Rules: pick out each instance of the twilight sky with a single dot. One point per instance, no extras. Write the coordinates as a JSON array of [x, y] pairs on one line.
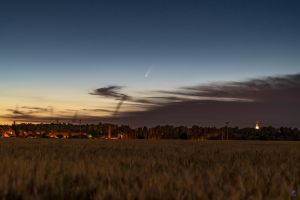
[[168, 61]]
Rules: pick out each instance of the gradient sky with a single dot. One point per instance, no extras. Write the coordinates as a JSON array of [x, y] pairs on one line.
[[53, 54]]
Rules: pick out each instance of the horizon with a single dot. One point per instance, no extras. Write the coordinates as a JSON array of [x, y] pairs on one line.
[[151, 63], [254, 127]]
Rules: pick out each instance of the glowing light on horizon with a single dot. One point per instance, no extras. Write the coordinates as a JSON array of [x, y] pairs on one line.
[[257, 126]]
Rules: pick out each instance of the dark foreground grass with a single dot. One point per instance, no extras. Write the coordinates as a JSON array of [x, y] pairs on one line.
[[134, 169]]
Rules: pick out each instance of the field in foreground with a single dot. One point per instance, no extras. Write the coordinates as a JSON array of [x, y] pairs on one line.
[[134, 169]]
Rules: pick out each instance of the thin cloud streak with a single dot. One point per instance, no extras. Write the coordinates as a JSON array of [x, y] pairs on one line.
[[269, 89], [110, 92]]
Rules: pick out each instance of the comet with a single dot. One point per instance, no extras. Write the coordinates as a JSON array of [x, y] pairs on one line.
[[148, 72]]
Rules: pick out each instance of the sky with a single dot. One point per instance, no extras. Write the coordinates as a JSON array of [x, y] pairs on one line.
[[70, 60]]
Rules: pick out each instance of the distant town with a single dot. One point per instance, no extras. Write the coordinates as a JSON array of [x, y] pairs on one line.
[[113, 131]]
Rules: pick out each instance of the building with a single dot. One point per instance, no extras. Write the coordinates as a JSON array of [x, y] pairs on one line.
[[8, 133], [65, 135]]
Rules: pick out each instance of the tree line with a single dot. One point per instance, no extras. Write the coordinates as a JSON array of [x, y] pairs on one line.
[[158, 132]]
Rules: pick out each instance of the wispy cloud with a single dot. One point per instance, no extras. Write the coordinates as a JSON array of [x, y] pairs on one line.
[[37, 110], [114, 92], [97, 110], [15, 111], [110, 92], [281, 89]]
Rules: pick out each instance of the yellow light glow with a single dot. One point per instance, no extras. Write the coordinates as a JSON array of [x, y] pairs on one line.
[[257, 126]]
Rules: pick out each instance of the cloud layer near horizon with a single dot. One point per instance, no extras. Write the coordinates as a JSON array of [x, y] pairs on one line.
[[272, 100], [268, 89]]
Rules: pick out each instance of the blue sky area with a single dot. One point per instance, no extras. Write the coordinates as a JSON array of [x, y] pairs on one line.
[[78, 46]]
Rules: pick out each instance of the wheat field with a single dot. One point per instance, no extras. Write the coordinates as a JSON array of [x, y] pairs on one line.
[[143, 169]]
